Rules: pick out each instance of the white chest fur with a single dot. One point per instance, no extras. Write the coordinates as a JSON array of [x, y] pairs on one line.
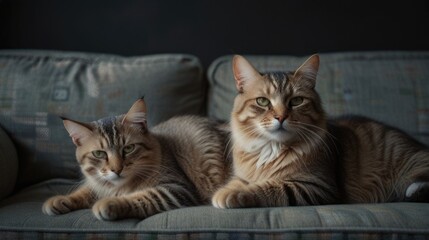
[[265, 151]]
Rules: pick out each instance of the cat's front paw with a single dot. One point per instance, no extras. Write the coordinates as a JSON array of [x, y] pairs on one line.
[[234, 198], [57, 205], [107, 209]]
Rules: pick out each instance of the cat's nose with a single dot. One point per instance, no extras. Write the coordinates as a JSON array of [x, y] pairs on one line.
[[281, 119], [117, 171]]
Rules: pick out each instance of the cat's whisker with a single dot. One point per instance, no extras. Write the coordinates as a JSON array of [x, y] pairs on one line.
[[228, 149], [250, 129], [307, 140], [332, 139], [313, 147], [328, 134], [305, 127], [327, 148]]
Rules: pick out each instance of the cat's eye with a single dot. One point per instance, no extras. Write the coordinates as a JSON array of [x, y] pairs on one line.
[[262, 101], [128, 149], [99, 154], [296, 101]]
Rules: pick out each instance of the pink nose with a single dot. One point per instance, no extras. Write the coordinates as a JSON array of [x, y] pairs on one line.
[[280, 118]]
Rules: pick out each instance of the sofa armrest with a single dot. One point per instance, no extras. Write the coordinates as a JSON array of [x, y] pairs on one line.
[[8, 165]]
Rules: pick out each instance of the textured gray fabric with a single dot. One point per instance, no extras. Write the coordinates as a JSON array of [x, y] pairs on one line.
[[8, 165], [25, 207], [391, 87], [39, 86]]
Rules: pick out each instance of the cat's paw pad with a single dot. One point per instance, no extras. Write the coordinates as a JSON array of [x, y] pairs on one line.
[[232, 198], [57, 205], [107, 209]]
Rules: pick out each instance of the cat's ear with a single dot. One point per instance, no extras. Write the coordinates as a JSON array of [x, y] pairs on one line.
[[243, 72], [137, 114], [308, 70], [77, 131]]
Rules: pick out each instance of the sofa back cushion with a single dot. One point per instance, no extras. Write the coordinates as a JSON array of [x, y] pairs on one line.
[[392, 87], [39, 86]]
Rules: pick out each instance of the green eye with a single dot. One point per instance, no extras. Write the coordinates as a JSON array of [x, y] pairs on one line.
[[296, 101], [99, 154], [263, 102], [129, 148]]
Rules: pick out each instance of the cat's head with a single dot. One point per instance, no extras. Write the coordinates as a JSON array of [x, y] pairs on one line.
[[114, 150], [276, 106]]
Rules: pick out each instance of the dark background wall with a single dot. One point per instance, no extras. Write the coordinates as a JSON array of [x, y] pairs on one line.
[[209, 29]]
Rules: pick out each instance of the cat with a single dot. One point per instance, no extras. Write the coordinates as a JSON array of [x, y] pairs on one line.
[[133, 172], [286, 152]]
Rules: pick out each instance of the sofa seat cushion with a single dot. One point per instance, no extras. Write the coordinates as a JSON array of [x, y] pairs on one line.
[[21, 217], [37, 87], [391, 87]]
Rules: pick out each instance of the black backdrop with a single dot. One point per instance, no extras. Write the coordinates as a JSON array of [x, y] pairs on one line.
[[209, 29]]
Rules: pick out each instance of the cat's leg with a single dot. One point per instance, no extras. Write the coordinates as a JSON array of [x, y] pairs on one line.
[[145, 203], [235, 194], [238, 194], [417, 192], [79, 199]]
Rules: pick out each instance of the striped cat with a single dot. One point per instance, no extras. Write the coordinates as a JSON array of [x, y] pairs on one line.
[[286, 152], [133, 172]]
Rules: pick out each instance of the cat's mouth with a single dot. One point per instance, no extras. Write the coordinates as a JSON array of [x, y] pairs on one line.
[[279, 131], [280, 134], [113, 178]]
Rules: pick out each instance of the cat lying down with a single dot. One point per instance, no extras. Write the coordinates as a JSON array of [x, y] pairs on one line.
[[131, 171], [286, 152]]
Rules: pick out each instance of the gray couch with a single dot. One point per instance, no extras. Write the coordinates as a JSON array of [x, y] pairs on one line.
[[37, 156]]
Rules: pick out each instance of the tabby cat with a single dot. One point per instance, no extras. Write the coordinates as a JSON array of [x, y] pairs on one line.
[[286, 152], [133, 172]]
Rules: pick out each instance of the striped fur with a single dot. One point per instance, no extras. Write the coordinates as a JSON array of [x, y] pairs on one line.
[[176, 164], [288, 153]]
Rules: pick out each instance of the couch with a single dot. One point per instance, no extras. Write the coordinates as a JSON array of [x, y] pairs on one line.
[[37, 157]]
